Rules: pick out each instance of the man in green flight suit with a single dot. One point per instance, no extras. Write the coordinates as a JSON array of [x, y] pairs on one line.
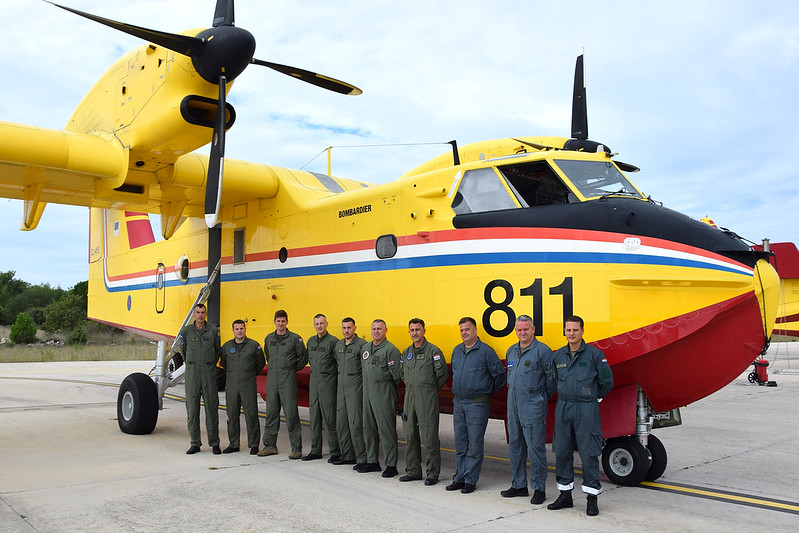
[[424, 371], [199, 344], [381, 373], [349, 413], [583, 379], [286, 355], [243, 359], [322, 390]]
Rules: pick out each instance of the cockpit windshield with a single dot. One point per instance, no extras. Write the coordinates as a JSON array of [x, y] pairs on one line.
[[597, 178]]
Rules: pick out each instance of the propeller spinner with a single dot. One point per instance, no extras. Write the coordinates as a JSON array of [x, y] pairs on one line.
[[219, 54]]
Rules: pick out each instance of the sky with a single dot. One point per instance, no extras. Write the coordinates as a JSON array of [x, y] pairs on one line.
[[700, 95]]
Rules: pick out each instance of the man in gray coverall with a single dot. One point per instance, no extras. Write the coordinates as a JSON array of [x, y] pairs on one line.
[[424, 371], [477, 373], [199, 344], [286, 355], [322, 390], [243, 359], [584, 377], [349, 413], [531, 382], [380, 369]]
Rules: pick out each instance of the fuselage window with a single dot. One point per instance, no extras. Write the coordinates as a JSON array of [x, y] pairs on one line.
[[597, 178], [536, 184], [386, 246], [182, 269], [238, 246], [481, 190]]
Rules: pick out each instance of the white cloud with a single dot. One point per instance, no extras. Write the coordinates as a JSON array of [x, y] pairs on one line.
[[699, 95]]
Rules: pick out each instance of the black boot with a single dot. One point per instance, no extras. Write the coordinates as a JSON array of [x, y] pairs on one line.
[[564, 501], [591, 508]]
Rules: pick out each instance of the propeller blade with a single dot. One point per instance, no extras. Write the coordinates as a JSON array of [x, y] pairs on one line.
[[182, 44], [579, 108], [223, 15], [216, 162], [331, 84]]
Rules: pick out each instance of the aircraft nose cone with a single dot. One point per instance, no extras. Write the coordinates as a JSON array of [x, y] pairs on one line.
[[228, 50]]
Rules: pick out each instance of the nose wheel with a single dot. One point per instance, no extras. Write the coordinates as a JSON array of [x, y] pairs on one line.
[[625, 461]]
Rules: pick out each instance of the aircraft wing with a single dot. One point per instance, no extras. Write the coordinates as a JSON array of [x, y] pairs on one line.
[[41, 166]]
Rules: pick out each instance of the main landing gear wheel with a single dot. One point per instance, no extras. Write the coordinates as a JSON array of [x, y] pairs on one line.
[[137, 404], [625, 461], [659, 458]]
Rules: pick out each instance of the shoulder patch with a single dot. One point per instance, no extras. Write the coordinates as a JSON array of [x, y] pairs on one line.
[[391, 363], [436, 357]]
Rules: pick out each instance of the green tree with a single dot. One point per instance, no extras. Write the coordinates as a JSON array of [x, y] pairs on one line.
[[23, 331], [66, 314], [9, 288], [31, 298]]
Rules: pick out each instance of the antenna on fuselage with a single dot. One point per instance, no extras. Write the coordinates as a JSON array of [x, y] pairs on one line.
[[455, 157]]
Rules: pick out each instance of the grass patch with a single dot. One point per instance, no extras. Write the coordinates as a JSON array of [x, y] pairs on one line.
[[103, 347], [48, 353]]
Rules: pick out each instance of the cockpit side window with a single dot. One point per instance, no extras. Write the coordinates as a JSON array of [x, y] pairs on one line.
[[537, 184], [481, 190]]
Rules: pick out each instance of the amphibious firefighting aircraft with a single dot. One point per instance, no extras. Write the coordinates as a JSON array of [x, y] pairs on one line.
[[546, 226]]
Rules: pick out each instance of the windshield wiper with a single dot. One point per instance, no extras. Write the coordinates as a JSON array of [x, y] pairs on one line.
[[622, 191]]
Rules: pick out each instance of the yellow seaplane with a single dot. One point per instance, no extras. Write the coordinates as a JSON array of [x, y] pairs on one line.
[[546, 226]]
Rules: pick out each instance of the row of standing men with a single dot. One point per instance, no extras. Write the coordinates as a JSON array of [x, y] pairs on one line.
[[352, 393]]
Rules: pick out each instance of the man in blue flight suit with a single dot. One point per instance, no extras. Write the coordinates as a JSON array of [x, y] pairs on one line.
[[531, 382], [584, 377], [477, 373]]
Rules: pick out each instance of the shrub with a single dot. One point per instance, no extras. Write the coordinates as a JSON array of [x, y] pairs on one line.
[[77, 336], [66, 314], [23, 331]]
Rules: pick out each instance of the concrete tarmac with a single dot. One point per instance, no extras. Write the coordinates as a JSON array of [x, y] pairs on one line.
[[65, 466]]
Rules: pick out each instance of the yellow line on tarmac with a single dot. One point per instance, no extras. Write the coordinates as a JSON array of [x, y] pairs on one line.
[[724, 496]]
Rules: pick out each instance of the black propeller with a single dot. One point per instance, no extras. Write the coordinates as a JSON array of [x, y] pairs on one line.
[[219, 54], [579, 137], [579, 140]]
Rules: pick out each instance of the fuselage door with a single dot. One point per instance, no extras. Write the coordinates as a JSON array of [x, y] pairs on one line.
[[160, 288]]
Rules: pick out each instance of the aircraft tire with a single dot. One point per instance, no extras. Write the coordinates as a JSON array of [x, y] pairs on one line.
[[137, 404], [625, 461], [175, 362], [659, 458]]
